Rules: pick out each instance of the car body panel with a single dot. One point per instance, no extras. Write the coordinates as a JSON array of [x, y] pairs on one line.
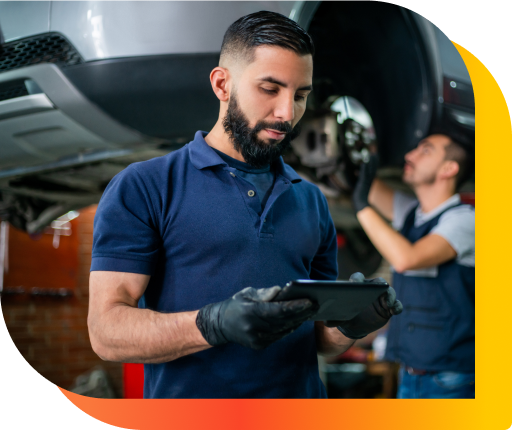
[[113, 29], [20, 19]]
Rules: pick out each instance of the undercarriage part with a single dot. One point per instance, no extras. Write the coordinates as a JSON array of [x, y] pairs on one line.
[[30, 202], [378, 56], [20, 210], [358, 133], [336, 138], [32, 214]]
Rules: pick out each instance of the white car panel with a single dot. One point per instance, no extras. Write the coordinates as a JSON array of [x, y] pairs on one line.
[[20, 19], [124, 28]]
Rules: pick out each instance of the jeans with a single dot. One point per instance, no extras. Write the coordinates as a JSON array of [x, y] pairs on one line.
[[440, 385]]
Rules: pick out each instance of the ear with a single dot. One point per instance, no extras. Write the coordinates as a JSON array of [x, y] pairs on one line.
[[219, 80], [449, 169]]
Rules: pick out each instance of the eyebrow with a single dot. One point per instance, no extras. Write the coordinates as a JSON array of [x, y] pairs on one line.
[[282, 84], [426, 143]]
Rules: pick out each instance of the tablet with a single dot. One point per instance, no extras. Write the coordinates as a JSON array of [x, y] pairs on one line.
[[338, 300]]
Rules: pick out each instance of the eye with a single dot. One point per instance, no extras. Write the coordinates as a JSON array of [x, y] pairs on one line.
[[269, 91], [299, 98]]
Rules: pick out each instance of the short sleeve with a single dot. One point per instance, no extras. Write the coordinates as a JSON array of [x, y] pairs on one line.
[[125, 237], [457, 226], [402, 205], [325, 263]]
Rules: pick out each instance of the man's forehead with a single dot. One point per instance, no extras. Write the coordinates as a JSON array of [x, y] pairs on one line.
[[281, 65], [435, 141]]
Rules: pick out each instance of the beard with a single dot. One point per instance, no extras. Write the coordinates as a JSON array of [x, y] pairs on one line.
[[414, 182], [255, 151]]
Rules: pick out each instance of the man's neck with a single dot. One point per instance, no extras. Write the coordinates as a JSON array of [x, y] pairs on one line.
[[218, 139], [433, 195]]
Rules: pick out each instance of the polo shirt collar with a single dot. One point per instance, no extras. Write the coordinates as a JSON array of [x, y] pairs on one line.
[[203, 156], [286, 171]]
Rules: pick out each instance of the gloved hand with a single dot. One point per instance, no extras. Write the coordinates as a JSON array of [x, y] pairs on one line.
[[364, 183], [249, 318], [373, 317]]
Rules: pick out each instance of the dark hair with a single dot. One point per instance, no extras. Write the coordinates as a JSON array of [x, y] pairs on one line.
[[460, 149], [265, 28]]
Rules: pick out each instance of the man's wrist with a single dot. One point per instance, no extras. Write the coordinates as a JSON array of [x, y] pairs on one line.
[[330, 341], [364, 210], [207, 321]]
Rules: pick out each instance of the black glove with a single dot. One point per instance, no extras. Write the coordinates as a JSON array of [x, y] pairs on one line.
[[249, 318], [364, 183], [373, 317]]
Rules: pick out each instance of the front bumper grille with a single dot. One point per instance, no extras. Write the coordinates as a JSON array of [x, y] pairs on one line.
[[11, 90], [42, 48]]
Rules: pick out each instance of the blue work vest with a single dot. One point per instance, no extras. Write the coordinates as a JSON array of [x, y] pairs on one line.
[[436, 331]]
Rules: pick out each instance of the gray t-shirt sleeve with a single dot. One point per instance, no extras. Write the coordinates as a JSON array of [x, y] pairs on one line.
[[457, 226], [402, 205]]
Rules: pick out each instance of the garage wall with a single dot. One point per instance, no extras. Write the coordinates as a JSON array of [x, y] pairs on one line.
[[50, 331]]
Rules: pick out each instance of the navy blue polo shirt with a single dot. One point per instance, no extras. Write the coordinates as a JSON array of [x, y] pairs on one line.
[[262, 178], [187, 220]]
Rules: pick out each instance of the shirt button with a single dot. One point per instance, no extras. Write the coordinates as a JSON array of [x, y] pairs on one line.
[[250, 193], [232, 174], [265, 220]]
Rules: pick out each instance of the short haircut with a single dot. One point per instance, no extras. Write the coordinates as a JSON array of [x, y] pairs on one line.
[[460, 149], [264, 28]]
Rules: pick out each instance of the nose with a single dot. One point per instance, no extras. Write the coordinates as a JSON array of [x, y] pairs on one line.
[[285, 108], [410, 155]]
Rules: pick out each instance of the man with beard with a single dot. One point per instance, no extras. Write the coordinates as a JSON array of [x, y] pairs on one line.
[[433, 255], [188, 246]]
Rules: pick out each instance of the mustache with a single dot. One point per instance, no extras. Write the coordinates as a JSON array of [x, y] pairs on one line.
[[282, 127]]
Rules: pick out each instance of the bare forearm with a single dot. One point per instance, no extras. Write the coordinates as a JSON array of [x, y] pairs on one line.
[[430, 250], [330, 341], [392, 245], [135, 335], [381, 198]]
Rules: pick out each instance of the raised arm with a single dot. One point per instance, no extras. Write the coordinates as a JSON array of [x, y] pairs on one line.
[[119, 331], [371, 191], [429, 251], [381, 198]]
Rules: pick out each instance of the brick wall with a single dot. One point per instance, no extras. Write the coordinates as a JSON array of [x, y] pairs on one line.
[[51, 332]]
